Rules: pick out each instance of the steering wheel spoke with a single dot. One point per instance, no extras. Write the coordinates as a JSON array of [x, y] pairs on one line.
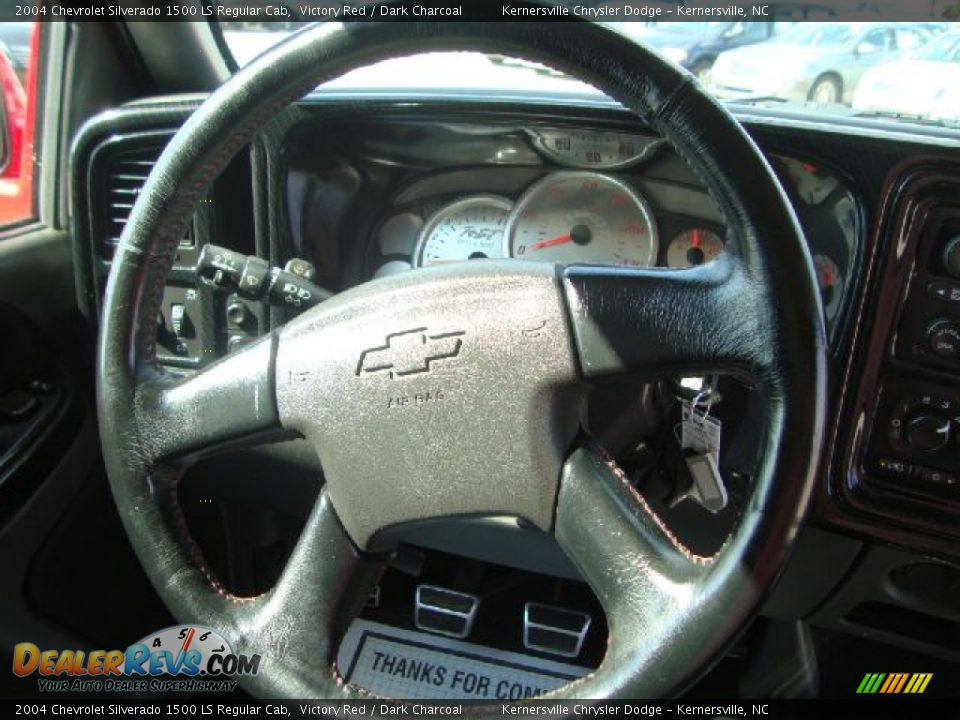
[[649, 321], [223, 403], [600, 516], [646, 580], [299, 623]]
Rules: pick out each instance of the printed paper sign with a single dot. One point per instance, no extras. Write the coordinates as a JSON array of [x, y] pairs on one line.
[[413, 665]]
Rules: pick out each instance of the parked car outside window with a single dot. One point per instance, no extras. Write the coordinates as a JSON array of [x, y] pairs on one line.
[[923, 86], [818, 62]]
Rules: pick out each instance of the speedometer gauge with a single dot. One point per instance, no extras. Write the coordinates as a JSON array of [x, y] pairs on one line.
[[467, 229], [582, 217]]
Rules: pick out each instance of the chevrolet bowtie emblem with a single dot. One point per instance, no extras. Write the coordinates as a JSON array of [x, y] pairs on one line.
[[409, 352]]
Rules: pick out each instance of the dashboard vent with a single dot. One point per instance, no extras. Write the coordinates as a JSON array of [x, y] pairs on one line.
[[126, 173]]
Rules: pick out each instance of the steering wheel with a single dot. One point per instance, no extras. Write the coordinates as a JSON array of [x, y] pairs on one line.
[[456, 391]]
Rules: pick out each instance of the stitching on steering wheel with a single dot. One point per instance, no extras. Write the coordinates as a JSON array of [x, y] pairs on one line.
[[344, 684], [179, 523], [702, 560]]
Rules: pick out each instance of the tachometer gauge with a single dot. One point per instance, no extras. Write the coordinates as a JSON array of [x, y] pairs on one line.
[[467, 229], [582, 217], [831, 285], [695, 246], [593, 149]]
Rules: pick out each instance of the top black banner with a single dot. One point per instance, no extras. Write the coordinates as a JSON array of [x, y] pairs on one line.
[[894, 708], [291, 11]]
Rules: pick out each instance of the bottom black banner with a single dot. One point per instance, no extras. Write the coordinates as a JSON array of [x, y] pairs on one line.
[[874, 707]]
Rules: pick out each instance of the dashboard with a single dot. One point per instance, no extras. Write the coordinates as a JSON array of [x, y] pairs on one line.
[[362, 188]]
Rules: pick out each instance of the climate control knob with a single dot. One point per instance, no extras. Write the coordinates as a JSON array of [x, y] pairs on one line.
[[943, 336], [928, 431]]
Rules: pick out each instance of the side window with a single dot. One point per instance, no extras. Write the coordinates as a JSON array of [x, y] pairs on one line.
[[881, 39], [908, 40], [19, 51]]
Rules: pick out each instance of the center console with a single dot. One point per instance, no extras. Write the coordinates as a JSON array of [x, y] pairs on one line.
[[902, 460], [918, 450]]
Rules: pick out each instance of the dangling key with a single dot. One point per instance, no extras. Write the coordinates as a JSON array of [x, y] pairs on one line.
[[706, 485], [700, 438]]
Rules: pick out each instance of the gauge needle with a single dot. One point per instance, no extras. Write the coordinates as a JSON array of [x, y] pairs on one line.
[[695, 239], [559, 240], [828, 276]]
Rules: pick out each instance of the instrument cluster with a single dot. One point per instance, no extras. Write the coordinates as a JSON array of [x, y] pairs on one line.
[[591, 203], [571, 215]]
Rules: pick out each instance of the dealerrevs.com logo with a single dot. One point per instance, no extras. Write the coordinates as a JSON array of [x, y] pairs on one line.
[[177, 659]]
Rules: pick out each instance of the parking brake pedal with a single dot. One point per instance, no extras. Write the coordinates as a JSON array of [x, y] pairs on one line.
[[445, 612], [554, 630]]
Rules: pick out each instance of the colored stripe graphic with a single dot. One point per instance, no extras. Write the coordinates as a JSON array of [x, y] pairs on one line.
[[918, 683], [891, 681], [894, 683], [870, 683], [901, 683]]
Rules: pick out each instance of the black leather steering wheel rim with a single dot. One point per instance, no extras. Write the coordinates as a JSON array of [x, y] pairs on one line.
[[755, 313]]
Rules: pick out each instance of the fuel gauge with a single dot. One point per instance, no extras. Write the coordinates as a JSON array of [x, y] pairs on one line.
[[830, 281], [812, 183], [694, 246]]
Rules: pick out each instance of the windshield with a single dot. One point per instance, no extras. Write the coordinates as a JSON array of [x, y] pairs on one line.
[[818, 34], [844, 69], [699, 29]]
